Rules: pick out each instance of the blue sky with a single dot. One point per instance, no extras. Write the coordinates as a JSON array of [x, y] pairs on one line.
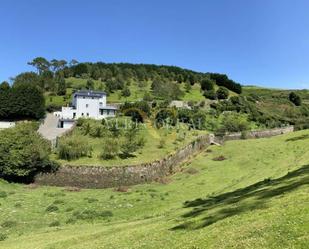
[[261, 42]]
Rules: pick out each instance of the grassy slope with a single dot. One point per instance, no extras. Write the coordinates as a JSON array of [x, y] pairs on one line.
[[226, 204], [150, 152], [137, 93]]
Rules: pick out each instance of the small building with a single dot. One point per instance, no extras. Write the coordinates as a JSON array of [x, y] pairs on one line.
[[85, 104]]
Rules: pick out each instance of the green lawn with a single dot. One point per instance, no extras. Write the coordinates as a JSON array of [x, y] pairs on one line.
[[256, 198], [150, 152]]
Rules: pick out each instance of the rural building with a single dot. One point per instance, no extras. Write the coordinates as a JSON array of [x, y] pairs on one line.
[[87, 104]]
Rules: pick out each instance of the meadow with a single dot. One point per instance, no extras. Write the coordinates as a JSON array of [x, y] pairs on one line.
[[244, 194]]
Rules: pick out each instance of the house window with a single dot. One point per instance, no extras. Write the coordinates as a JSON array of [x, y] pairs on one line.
[[82, 114], [87, 114], [74, 114], [101, 111], [87, 105], [107, 112]]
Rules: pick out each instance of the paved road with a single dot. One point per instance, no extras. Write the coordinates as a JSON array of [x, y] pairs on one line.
[[49, 130]]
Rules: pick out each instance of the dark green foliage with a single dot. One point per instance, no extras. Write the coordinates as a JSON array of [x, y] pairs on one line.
[[222, 93], [41, 64], [223, 80], [3, 194], [22, 101], [8, 224], [61, 90], [210, 94], [295, 98], [234, 122], [89, 214], [167, 116], [125, 92], [23, 153], [55, 223], [3, 236], [207, 84], [138, 111], [90, 84], [52, 208], [166, 90]]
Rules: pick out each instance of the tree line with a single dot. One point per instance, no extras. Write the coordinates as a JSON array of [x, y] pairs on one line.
[[50, 74]]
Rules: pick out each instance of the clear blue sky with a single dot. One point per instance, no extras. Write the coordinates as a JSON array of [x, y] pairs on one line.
[[261, 42]]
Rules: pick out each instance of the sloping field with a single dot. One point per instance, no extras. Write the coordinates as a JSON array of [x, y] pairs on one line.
[[245, 194]]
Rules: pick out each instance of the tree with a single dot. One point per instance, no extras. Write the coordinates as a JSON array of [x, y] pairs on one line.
[[27, 78], [28, 153], [90, 84], [207, 84], [188, 87], [222, 93], [61, 90], [132, 141], [5, 91], [210, 94], [295, 98], [40, 63], [125, 92], [27, 101], [58, 64]]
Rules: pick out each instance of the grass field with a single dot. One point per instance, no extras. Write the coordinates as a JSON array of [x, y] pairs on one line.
[[256, 198], [137, 93], [150, 152]]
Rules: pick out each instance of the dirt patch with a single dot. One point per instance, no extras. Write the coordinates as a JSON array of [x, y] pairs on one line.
[[72, 189], [122, 189], [219, 158], [192, 171]]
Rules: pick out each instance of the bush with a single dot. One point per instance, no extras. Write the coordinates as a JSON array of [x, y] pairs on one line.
[[110, 148], [222, 93], [210, 94], [295, 98], [52, 208], [28, 153], [133, 141], [3, 236], [74, 147], [207, 84], [9, 224], [3, 194], [54, 224], [234, 122]]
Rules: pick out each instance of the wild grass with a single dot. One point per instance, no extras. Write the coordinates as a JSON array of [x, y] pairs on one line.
[[256, 198]]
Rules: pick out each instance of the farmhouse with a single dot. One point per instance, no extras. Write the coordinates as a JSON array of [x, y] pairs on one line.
[[88, 104]]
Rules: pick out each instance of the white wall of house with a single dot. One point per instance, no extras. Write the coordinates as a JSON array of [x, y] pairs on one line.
[[87, 105], [6, 124]]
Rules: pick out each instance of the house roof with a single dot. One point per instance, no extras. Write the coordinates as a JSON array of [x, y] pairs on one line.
[[89, 93], [109, 107]]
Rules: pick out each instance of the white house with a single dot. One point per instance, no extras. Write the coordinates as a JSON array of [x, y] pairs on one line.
[[87, 104]]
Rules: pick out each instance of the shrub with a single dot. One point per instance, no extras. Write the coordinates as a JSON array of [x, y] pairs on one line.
[[3, 194], [28, 153], [207, 84], [234, 122], [219, 158], [54, 224], [74, 147], [133, 141], [3, 236], [52, 208], [210, 94], [222, 93], [110, 148], [8, 224], [295, 98]]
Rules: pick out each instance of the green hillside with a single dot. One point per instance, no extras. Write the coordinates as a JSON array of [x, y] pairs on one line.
[[256, 198]]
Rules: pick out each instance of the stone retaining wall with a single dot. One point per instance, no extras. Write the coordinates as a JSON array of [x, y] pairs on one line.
[[104, 177]]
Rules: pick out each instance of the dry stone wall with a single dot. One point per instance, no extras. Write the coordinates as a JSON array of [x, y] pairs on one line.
[[104, 177]]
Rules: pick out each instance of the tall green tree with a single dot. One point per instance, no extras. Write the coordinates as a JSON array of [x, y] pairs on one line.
[[40, 63]]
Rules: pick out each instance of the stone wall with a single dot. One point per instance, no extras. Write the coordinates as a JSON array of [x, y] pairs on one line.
[[104, 177]]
